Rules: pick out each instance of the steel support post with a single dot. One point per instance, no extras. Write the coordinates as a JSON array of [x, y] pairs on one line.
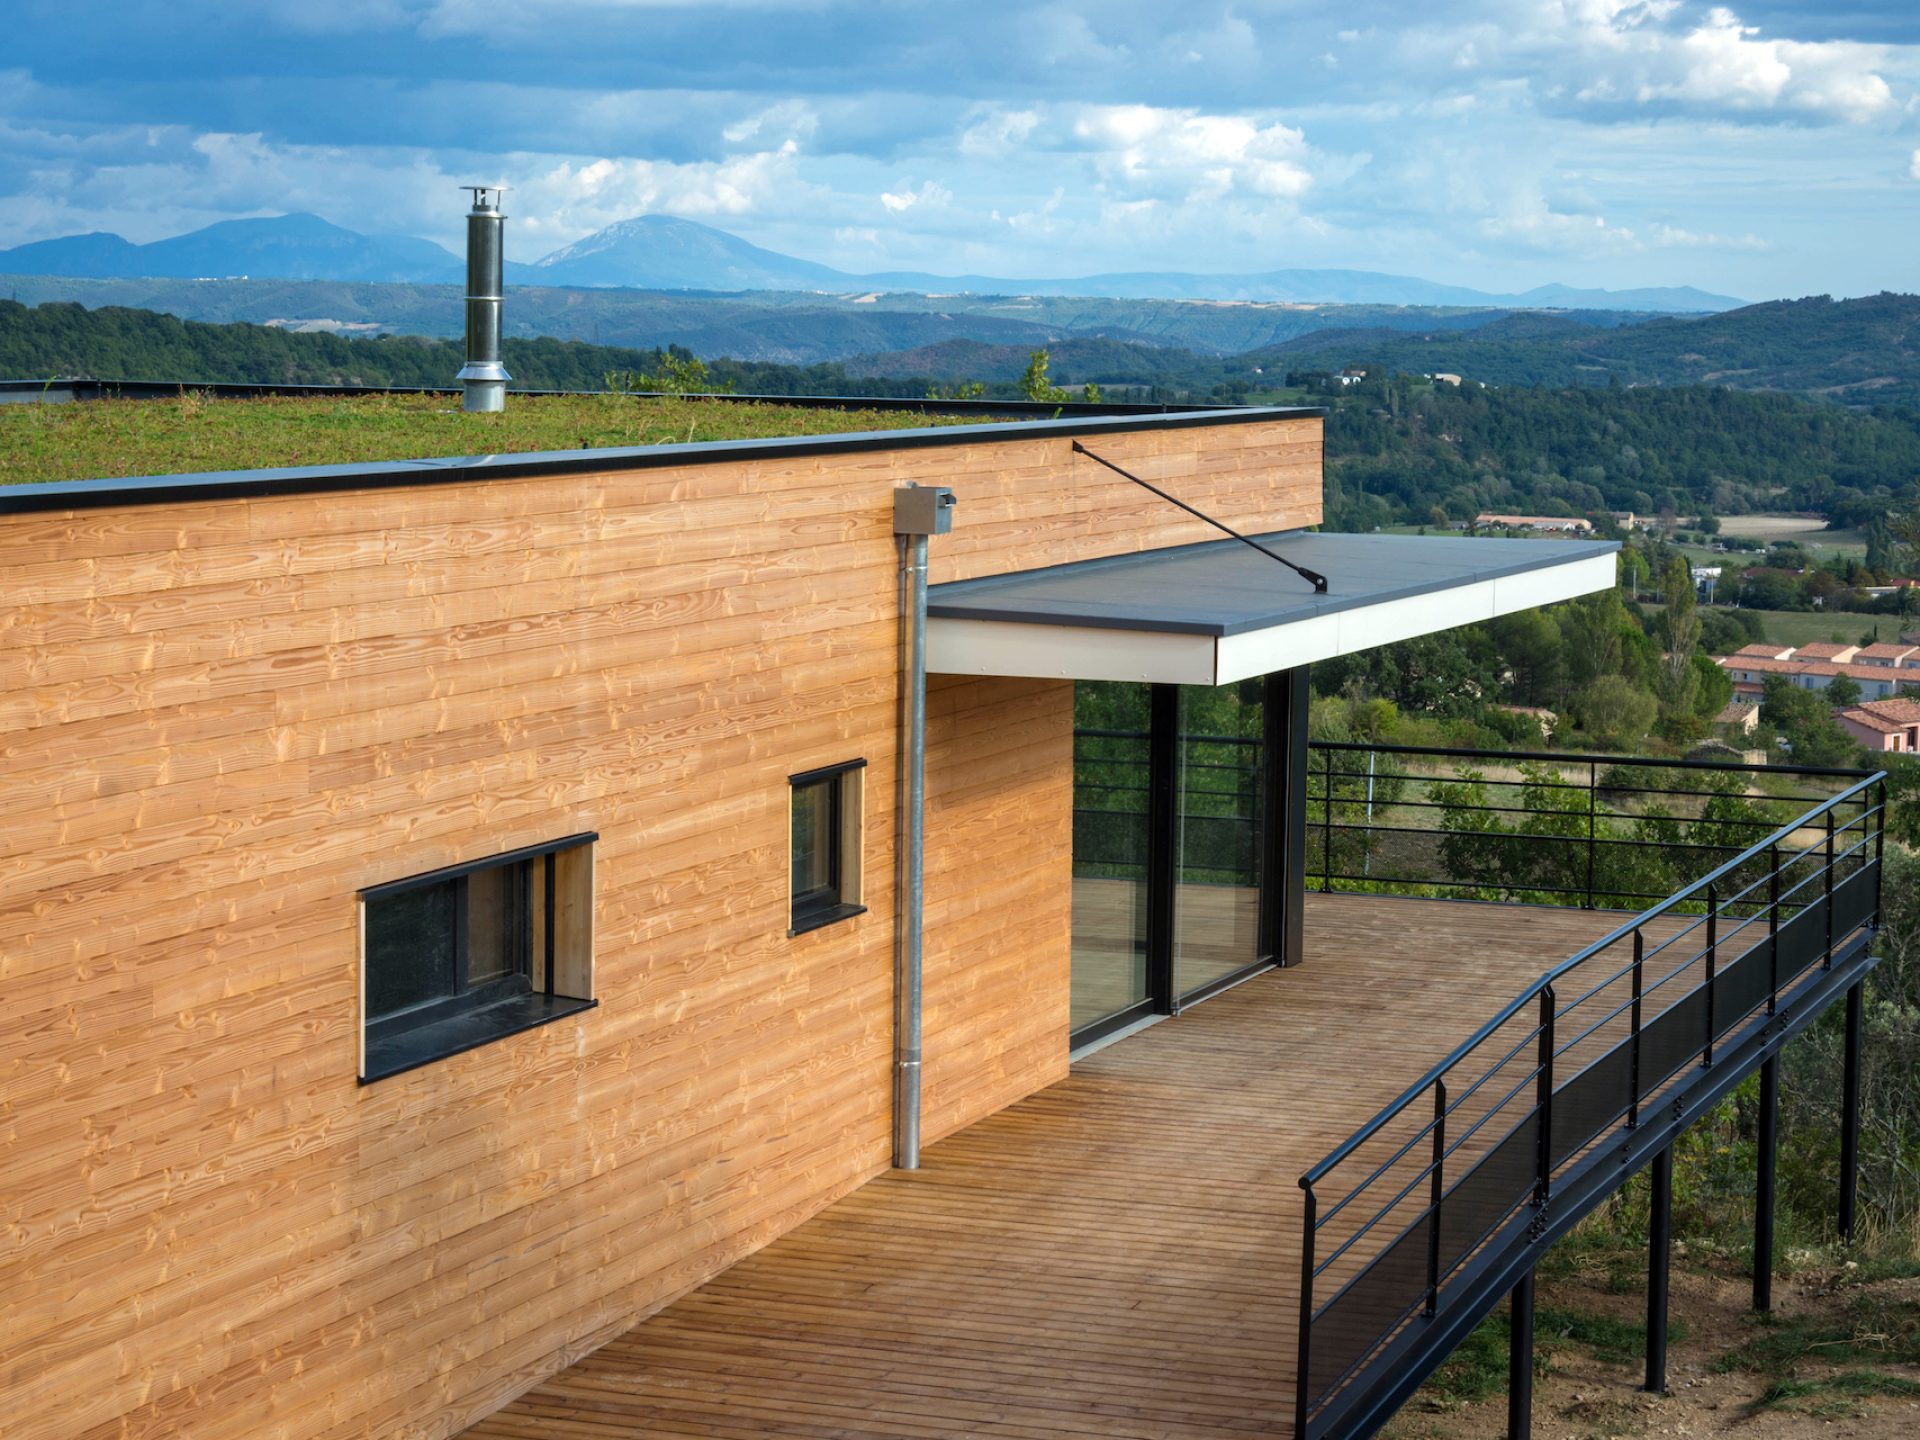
[[1520, 1362], [1850, 1122], [1659, 1257], [1764, 1184]]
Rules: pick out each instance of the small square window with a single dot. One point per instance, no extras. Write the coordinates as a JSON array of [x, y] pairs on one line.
[[825, 827], [457, 957]]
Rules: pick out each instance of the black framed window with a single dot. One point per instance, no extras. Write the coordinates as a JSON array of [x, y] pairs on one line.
[[824, 827], [457, 957]]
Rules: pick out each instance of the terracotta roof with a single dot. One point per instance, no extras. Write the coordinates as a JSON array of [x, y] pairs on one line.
[[1826, 650], [1761, 652], [1884, 715], [1760, 664], [1885, 651]]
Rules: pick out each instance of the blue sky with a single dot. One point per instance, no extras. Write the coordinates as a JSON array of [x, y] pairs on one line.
[[1764, 149]]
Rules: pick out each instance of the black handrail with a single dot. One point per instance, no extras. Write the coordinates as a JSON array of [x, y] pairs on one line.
[[1712, 992], [1619, 932]]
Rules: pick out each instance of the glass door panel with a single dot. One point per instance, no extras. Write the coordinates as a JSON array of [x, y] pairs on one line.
[[1221, 819], [1111, 789]]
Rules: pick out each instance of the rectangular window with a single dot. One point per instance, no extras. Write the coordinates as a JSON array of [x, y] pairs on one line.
[[461, 956], [825, 827]]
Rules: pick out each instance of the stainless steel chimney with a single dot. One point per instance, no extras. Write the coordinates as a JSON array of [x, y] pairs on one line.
[[484, 377]]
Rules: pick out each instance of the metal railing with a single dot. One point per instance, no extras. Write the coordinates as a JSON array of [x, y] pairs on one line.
[[1469, 1156], [1598, 831]]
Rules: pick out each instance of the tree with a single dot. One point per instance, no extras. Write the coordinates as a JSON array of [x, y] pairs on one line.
[[1614, 711], [1805, 721], [959, 390], [1843, 689], [1683, 637], [1036, 385]]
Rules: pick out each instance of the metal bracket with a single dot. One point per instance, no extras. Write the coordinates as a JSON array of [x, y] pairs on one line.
[[923, 510]]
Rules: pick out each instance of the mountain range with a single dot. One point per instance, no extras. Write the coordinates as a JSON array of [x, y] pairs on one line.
[[661, 252]]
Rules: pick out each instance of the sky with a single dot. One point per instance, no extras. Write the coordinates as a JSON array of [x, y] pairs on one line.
[[1765, 149]]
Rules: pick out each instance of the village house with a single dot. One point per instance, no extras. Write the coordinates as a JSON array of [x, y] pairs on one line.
[[1883, 726]]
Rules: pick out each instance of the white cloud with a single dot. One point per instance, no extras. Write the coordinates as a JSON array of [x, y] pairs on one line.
[[1673, 238], [1527, 221], [790, 120], [930, 194], [1184, 153], [1913, 166], [997, 132]]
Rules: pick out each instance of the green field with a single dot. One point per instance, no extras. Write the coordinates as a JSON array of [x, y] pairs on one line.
[[1809, 627], [109, 438], [1806, 530]]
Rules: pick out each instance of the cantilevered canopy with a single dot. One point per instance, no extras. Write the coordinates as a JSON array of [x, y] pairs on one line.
[[1218, 612]]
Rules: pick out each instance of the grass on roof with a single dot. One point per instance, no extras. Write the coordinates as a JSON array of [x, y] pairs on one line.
[[98, 439]]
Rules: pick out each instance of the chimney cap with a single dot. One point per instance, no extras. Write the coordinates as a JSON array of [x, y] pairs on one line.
[[486, 197]]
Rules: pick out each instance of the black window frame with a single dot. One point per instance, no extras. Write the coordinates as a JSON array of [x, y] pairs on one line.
[[839, 898], [469, 1015]]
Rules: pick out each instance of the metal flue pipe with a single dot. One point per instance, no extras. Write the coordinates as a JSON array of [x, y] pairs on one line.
[[483, 376]]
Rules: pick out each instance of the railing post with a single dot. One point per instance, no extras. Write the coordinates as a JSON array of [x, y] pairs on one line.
[[1713, 957], [1543, 1100], [1633, 1062], [1773, 930], [1302, 1406], [1827, 962], [1437, 1191], [1593, 787]]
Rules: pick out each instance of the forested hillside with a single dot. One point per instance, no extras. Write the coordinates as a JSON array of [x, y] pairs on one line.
[[1407, 452], [65, 339], [1862, 352]]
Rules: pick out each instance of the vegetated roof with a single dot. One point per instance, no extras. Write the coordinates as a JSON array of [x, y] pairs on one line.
[[99, 439]]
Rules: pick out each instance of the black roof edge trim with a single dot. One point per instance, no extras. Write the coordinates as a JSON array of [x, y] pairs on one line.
[[322, 479]]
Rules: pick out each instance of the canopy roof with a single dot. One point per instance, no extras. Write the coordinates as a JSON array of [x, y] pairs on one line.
[[1222, 611]]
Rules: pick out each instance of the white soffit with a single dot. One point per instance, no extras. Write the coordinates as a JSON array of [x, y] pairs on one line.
[[1212, 614]]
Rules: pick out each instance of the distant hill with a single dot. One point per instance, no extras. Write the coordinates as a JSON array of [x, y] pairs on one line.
[[1859, 352], [293, 247], [785, 326], [662, 252], [656, 252]]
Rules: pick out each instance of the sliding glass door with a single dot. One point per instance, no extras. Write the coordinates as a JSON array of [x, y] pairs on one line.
[[1220, 777], [1179, 873], [1110, 845]]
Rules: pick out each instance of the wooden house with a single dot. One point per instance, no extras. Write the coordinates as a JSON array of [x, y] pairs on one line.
[[454, 909]]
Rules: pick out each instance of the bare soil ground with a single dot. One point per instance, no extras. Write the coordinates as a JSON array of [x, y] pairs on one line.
[[1835, 1360]]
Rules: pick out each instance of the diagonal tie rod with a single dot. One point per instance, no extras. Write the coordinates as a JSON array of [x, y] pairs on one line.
[[1314, 577]]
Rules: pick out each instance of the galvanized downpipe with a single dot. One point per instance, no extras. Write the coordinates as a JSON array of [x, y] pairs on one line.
[[917, 513]]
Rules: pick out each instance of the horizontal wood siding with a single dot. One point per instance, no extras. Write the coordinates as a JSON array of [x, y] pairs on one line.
[[219, 720], [999, 885]]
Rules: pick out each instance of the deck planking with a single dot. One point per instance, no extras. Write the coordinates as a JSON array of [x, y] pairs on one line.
[[1115, 1256]]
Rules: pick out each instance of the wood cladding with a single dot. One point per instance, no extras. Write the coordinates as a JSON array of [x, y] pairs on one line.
[[220, 720]]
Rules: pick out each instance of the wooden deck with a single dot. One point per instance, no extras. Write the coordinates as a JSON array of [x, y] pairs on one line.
[[1115, 1257]]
